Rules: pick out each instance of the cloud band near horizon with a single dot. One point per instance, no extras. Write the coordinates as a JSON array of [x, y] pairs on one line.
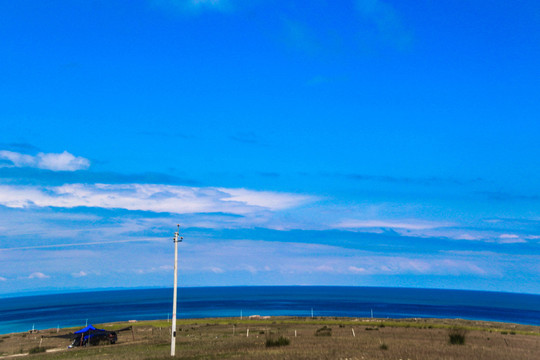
[[150, 197], [48, 161]]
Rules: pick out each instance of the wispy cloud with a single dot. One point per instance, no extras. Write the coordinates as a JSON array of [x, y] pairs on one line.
[[247, 138], [150, 197], [197, 6], [504, 196], [385, 18], [407, 225], [265, 199], [19, 147], [511, 239], [297, 258], [47, 161], [216, 270], [424, 181], [404, 265], [79, 244], [299, 36], [3, 278], [39, 176], [80, 274], [38, 275]]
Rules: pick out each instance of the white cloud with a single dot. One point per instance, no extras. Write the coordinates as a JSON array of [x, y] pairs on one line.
[[47, 161], [62, 162], [38, 275], [149, 197], [3, 278], [356, 270], [80, 274]]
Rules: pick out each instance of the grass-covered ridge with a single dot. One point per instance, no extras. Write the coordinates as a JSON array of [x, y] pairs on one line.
[[470, 325], [236, 338]]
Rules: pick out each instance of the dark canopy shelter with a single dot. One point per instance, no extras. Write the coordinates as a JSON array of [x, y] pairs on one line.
[[92, 336]]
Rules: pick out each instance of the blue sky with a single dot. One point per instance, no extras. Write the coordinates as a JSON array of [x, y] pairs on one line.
[[364, 142]]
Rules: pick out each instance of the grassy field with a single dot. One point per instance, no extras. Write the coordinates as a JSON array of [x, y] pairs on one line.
[[294, 338]]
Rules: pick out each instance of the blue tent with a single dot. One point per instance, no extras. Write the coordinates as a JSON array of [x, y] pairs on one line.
[[92, 336], [86, 329]]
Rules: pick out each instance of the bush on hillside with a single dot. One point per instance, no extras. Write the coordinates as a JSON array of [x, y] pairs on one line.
[[457, 335], [324, 331], [281, 341]]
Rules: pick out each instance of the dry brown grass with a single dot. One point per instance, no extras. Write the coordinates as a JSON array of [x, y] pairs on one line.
[[214, 339]]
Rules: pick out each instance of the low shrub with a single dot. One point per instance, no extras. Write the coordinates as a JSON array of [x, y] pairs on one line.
[[324, 331], [383, 346], [280, 341], [37, 350], [457, 336]]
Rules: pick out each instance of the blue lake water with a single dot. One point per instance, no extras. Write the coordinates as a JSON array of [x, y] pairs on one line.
[[19, 314]]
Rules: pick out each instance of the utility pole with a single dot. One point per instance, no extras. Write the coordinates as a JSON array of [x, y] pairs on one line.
[[177, 239]]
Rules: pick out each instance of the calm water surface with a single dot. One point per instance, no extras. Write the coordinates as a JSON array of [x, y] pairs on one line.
[[75, 309]]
